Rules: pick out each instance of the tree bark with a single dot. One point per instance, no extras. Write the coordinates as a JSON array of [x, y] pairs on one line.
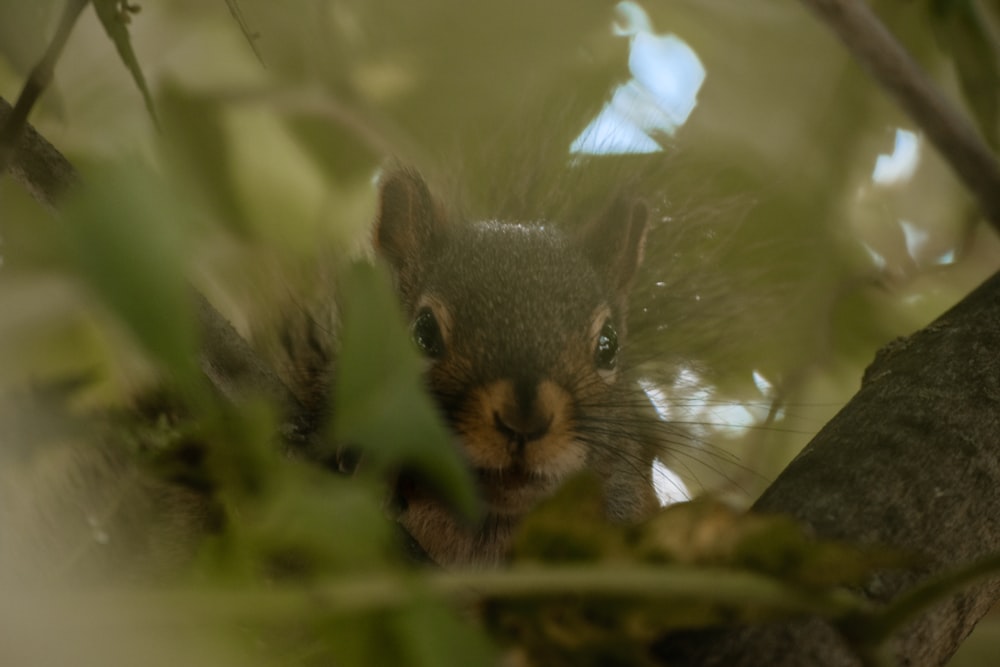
[[912, 461]]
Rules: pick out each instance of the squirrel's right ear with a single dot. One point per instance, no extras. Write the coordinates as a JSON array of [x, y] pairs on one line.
[[409, 220], [616, 242]]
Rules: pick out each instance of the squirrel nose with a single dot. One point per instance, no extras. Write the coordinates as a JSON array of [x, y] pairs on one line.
[[522, 426]]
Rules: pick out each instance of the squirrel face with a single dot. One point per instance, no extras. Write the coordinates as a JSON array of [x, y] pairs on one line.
[[513, 346], [521, 327]]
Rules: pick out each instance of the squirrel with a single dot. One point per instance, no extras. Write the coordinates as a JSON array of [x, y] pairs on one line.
[[523, 329]]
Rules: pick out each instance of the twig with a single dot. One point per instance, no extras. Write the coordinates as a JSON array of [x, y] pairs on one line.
[[241, 21], [955, 137], [358, 594], [38, 81], [37, 165]]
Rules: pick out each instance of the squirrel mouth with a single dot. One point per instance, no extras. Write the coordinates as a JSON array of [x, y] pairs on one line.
[[513, 489], [510, 490], [512, 476]]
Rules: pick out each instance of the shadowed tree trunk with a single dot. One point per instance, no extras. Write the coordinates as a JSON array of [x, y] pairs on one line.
[[912, 461]]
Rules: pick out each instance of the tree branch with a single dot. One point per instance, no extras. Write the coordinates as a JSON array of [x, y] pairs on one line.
[[36, 165], [911, 461], [888, 62]]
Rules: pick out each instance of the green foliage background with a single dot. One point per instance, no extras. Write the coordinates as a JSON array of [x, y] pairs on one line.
[[261, 173]]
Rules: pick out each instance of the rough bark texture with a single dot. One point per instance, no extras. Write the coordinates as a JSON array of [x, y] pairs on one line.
[[37, 165], [912, 461]]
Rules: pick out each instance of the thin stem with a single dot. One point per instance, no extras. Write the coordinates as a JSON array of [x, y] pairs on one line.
[[38, 81], [950, 131], [361, 594], [715, 585]]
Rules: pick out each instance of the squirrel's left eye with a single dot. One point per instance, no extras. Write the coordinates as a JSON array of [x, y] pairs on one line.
[[606, 354], [427, 334]]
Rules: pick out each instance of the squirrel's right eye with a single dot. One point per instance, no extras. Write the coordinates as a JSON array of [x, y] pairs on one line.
[[606, 354], [427, 334]]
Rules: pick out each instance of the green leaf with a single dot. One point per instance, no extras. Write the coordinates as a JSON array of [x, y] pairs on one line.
[[124, 237], [322, 524], [361, 640], [708, 532], [286, 521], [195, 139], [569, 527], [340, 152], [379, 403], [780, 547], [114, 16], [433, 636]]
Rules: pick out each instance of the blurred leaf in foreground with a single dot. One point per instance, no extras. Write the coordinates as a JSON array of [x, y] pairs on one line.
[[196, 141], [570, 527], [433, 636], [707, 532], [703, 564], [379, 404], [125, 236]]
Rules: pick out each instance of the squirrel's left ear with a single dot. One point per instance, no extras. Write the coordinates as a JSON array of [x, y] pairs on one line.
[[615, 242], [409, 224]]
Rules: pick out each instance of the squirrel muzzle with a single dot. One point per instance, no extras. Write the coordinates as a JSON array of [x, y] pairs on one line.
[[520, 442]]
